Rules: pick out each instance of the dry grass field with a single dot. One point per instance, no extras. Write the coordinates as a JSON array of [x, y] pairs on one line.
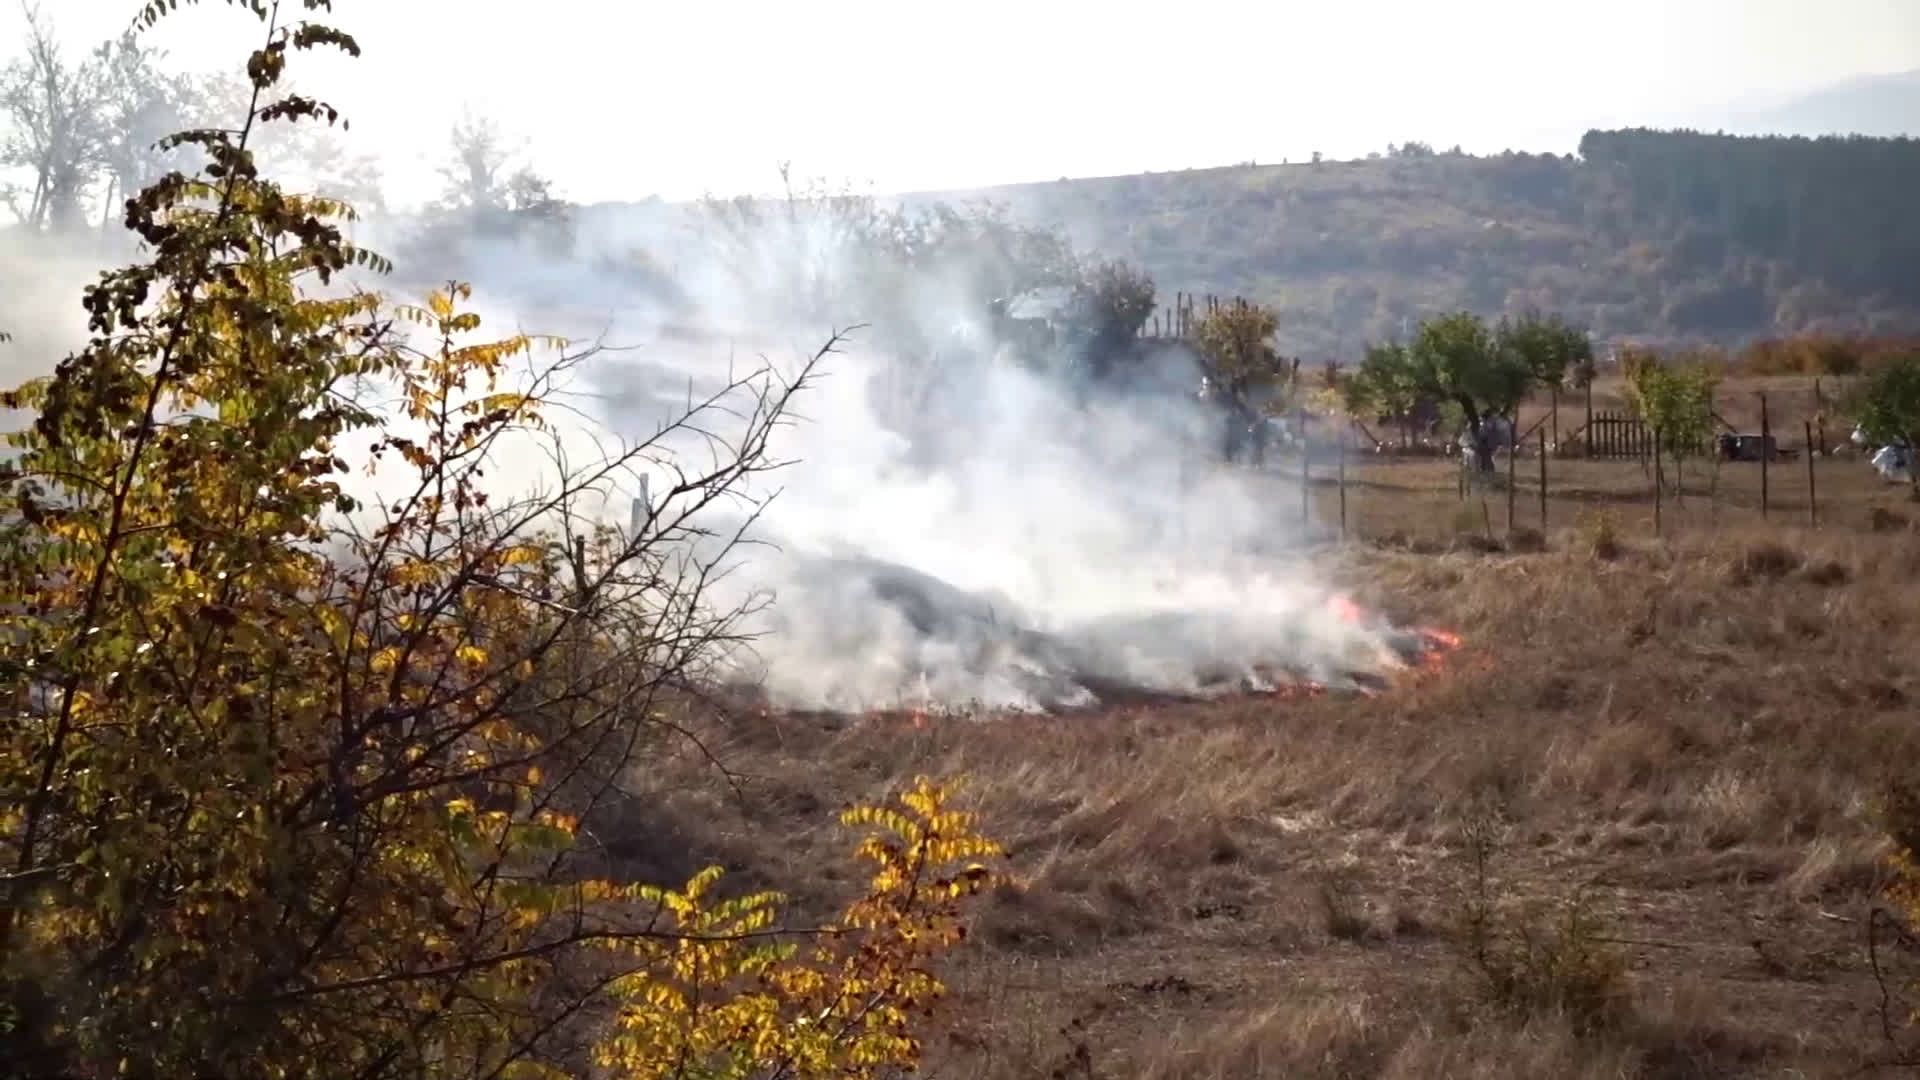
[[1647, 774]]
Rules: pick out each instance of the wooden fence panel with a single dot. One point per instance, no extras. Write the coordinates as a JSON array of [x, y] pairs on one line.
[[1623, 435]]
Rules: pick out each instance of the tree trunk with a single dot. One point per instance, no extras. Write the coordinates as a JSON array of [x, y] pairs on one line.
[[1477, 435]]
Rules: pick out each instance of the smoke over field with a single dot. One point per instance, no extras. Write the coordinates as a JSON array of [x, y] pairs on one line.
[[962, 519], [964, 516]]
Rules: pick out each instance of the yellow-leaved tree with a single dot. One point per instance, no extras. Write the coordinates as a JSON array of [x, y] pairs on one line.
[[292, 787], [1245, 373]]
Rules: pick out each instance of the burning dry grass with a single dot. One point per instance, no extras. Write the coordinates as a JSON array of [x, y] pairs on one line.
[[1684, 735]]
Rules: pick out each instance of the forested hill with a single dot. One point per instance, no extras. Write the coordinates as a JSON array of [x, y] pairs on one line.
[[1645, 235]]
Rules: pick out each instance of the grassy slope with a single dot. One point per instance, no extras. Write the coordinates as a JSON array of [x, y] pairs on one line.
[[1685, 734]]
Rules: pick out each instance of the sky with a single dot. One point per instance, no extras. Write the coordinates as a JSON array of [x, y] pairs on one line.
[[621, 100]]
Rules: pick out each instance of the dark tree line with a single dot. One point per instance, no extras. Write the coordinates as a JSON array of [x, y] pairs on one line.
[[1839, 209]]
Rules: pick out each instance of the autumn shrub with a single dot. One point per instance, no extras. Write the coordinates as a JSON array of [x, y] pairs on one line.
[[293, 786]]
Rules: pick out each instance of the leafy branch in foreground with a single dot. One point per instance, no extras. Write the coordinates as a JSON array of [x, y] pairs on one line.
[[294, 786]]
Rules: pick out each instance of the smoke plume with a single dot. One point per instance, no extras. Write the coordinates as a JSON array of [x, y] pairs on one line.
[[966, 519]]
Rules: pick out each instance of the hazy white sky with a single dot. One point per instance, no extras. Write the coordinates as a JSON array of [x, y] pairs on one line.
[[618, 100]]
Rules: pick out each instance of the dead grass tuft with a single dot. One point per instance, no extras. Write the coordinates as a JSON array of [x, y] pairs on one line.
[[1765, 560], [1343, 907], [1302, 1038], [1526, 540], [1882, 520], [1827, 573]]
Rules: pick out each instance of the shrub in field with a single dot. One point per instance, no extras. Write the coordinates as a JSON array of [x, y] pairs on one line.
[[294, 787], [1536, 958]]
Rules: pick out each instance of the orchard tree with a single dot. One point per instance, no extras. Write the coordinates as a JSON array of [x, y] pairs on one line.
[[295, 786], [53, 103], [1486, 372], [1111, 302], [1244, 372], [1549, 347], [139, 105], [484, 175], [1456, 359], [1384, 387], [1886, 403], [489, 200]]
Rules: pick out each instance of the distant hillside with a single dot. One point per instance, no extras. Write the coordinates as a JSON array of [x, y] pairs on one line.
[[1664, 236]]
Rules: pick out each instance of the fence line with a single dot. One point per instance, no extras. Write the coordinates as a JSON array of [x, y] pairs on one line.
[[1667, 493]]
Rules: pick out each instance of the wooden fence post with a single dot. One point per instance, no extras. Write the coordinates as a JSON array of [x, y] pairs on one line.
[[1820, 416], [1306, 465], [1343, 487], [1589, 417], [1766, 451], [1513, 459], [1813, 507], [1553, 417], [1658, 494], [1543, 483]]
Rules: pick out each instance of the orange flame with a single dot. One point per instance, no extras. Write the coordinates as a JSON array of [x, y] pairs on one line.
[[1439, 644], [1343, 606]]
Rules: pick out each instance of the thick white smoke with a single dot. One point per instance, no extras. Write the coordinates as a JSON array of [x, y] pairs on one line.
[[962, 522], [1011, 537]]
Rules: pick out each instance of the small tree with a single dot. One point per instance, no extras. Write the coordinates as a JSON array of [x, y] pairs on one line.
[[1886, 404], [1676, 401], [1244, 372]]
